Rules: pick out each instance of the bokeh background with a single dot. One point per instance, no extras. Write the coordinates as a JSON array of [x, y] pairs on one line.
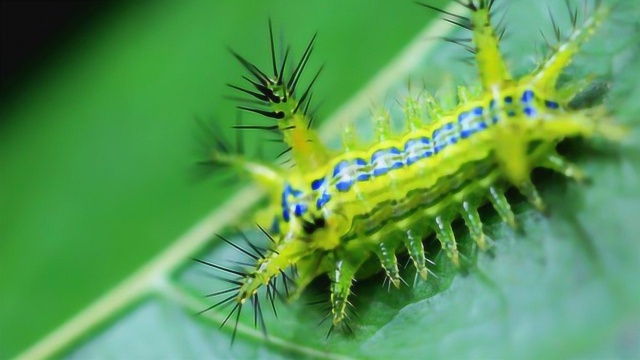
[[97, 153]]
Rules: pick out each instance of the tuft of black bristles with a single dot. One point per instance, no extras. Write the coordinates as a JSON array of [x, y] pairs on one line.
[[215, 150], [215, 147], [465, 22], [276, 88], [212, 143], [212, 139], [459, 20], [325, 305], [572, 12], [466, 43], [455, 19], [236, 278]]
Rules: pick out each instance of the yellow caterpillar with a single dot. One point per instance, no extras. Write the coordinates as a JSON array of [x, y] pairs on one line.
[[347, 214]]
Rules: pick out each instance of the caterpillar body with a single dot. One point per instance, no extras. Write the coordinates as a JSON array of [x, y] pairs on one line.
[[348, 214]]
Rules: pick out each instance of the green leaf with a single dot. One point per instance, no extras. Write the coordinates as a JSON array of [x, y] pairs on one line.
[[106, 190]]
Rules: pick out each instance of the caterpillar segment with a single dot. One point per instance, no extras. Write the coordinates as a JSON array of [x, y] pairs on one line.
[[338, 213], [278, 101]]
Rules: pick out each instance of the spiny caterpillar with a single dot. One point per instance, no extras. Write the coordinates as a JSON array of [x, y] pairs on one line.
[[347, 214]]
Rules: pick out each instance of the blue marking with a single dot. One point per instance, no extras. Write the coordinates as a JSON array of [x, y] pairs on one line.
[[380, 171], [361, 165], [508, 99], [551, 104], [385, 160], [289, 191], [492, 103], [466, 133], [321, 185], [347, 172], [285, 195], [495, 119], [316, 184], [527, 96], [323, 200], [511, 113], [299, 209], [362, 175], [471, 123], [344, 186], [339, 167], [529, 111], [444, 136], [416, 149]]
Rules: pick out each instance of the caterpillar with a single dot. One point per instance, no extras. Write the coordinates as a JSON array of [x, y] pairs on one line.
[[348, 214]]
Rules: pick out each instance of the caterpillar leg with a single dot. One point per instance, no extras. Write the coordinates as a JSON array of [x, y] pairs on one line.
[[559, 164], [342, 278], [471, 218], [413, 243], [529, 190], [444, 233], [387, 256], [500, 203]]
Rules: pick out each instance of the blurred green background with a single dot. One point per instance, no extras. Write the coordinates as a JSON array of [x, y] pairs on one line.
[[96, 177]]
